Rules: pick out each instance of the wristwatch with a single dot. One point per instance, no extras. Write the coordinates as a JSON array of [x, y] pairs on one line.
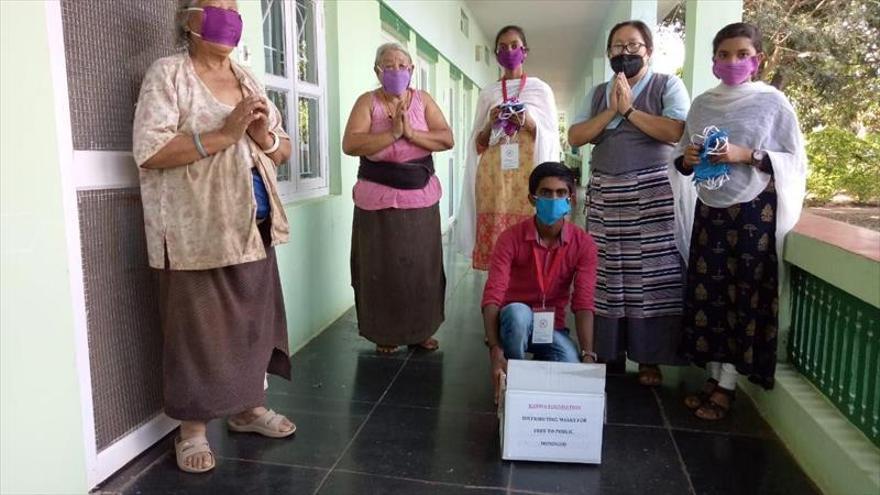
[[627, 113], [758, 157], [585, 353]]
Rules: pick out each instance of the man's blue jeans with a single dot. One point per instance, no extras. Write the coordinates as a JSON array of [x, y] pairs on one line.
[[516, 337]]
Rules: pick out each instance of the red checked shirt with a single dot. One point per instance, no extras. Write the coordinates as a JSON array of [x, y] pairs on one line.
[[513, 272]]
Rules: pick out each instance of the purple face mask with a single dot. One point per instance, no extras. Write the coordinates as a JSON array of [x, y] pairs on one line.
[[220, 26], [395, 81], [511, 59], [735, 73]]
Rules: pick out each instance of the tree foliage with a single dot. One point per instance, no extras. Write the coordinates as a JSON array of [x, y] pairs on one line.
[[825, 55], [841, 162]]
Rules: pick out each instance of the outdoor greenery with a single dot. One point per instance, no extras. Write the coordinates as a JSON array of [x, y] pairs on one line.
[[825, 56], [841, 161]]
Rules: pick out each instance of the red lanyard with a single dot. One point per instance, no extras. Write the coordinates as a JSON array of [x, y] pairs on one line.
[[551, 275], [522, 84]]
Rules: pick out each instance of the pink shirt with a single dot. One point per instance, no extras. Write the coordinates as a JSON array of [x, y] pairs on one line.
[[372, 196], [513, 274]]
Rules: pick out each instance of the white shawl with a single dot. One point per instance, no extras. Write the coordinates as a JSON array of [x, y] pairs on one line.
[[756, 116], [541, 105]]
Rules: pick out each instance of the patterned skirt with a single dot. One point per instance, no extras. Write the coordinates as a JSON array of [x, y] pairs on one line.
[[640, 274], [502, 196], [731, 301], [631, 218]]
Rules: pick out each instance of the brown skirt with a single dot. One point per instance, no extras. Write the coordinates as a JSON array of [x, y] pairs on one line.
[[397, 274], [224, 329]]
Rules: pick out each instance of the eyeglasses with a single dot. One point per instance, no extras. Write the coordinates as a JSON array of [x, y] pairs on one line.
[[632, 48]]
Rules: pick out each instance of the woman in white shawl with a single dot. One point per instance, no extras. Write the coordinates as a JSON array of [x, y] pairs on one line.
[[515, 129], [735, 269]]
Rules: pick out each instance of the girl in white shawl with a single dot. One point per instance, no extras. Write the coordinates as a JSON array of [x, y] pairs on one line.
[[506, 143], [735, 269]]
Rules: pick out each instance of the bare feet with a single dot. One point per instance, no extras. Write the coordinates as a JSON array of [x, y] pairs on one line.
[[430, 344]]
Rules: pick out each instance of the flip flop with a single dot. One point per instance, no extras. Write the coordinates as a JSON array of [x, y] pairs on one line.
[[267, 425], [185, 449]]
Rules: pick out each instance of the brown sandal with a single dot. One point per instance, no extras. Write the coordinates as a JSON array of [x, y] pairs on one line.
[[650, 375], [712, 410], [694, 401]]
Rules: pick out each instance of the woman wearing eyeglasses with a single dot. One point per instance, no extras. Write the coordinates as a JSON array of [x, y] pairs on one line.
[[638, 223], [396, 247]]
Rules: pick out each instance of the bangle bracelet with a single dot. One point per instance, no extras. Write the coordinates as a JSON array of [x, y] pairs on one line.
[[276, 143], [199, 147], [628, 112]]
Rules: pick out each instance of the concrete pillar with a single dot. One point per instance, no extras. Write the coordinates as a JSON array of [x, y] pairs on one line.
[[704, 18]]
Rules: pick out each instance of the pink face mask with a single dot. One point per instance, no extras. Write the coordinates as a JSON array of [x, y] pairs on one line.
[[219, 26], [735, 73]]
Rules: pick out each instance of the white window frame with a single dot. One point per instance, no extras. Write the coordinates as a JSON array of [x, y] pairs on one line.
[[424, 71], [297, 188]]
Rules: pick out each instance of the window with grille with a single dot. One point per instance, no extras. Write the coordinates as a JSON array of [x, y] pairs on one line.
[[293, 34]]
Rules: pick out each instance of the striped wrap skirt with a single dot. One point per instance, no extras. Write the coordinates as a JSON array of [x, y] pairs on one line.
[[639, 282]]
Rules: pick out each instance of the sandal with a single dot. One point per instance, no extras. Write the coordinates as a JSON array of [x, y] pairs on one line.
[[186, 449], [431, 344], [694, 401], [712, 409], [268, 425], [650, 375], [386, 349]]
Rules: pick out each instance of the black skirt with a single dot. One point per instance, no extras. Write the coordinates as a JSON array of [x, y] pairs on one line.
[[731, 300]]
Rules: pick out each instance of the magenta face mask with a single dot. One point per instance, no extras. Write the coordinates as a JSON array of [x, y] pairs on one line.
[[220, 26], [511, 59], [395, 81], [735, 73]]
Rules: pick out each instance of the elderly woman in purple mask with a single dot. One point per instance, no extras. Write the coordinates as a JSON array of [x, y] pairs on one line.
[[207, 142], [396, 249]]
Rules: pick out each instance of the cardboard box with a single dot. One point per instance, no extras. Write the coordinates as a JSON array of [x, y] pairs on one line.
[[552, 412]]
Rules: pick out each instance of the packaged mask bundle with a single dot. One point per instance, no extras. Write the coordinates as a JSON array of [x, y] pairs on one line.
[[509, 121], [708, 175]]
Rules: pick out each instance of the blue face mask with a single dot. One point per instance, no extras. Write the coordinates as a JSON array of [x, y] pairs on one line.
[[551, 210]]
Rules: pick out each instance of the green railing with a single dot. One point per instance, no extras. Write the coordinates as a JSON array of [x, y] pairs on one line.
[[835, 343]]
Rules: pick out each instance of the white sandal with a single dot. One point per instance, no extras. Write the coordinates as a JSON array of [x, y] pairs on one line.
[[185, 449], [268, 425]]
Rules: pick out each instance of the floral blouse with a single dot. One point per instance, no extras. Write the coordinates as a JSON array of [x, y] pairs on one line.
[[201, 215]]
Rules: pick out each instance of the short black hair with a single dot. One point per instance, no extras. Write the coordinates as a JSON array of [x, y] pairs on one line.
[[739, 30], [505, 29], [641, 26], [550, 169]]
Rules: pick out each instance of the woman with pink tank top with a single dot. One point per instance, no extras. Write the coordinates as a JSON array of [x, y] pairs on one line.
[[396, 248]]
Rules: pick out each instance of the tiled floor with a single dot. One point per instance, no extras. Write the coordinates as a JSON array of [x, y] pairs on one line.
[[424, 423]]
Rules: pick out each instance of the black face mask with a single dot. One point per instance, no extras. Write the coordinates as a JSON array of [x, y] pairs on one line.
[[627, 63]]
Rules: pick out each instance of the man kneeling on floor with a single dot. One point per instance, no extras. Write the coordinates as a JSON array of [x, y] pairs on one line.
[[534, 265]]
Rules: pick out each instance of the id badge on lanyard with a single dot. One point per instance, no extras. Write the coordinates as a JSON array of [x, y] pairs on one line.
[[544, 318], [510, 151]]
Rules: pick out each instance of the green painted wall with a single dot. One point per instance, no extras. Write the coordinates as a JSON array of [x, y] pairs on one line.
[[702, 20], [40, 419]]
